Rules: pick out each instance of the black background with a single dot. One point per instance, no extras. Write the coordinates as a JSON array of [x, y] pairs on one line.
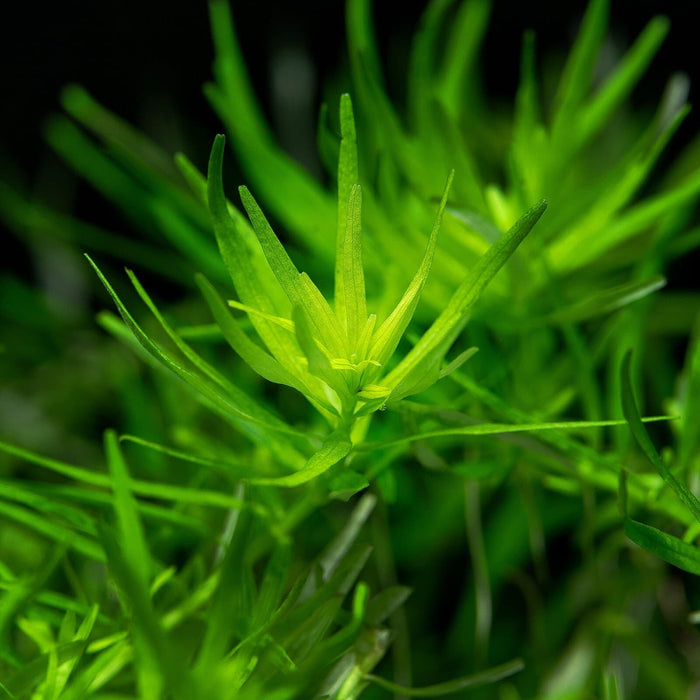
[[135, 56]]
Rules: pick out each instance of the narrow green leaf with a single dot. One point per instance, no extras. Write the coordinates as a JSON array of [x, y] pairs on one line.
[[273, 584], [671, 549], [149, 489], [496, 429], [229, 616], [130, 526], [456, 72], [629, 407], [492, 675], [156, 662], [606, 301], [52, 530], [280, 262], [619, 85], [252, 419], [421, 68], [353, 280], [291, 193], [299, 288], [690, 430], [455, 364], [252, 277], [348, 176], [387, 337], [259, 360], [31, 674], [337, 446], [385, 604], [442, 333], [578, 71]]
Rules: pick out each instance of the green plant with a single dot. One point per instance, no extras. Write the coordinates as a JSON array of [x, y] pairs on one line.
[[229, 563]]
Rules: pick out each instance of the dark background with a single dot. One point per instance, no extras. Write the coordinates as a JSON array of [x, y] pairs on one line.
[[139, 58], [147, 62]]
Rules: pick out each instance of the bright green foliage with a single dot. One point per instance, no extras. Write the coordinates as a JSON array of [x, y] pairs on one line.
[[422, 464]]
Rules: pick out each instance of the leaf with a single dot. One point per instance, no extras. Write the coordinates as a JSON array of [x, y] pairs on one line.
[[626, 75], [385, 603], [432, 346], [293, 195], [387, 337], [608, 300], [52, 530], [353, 280], [298, 287], [492, 675], [578, 71], [150, 489], [156, 663], [232, 602], [253, 355], [318, 362], [671, 549], [690, 429], [250, 418], [348, 176], [495, 429], [20, 683], [130, 527], [629, 407], [336, 446], [466, 36], [253, 279]]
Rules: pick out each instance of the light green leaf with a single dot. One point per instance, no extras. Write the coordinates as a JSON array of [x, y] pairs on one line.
[[253, 279], [150, 489], [348, 176], [319, 364], [626, 75], [353, 280], [234, 595], [578, 71], [337, 446], [671, 549], [456, 72], [436, 341], [496, 429], [259, 360], [387, 337], [299, 288], [246, 414], [130, 527], [608, 300]]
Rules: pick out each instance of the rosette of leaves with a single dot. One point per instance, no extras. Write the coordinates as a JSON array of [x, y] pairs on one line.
[[340, 358]]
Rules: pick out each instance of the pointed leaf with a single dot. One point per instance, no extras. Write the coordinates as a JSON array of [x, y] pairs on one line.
[[348, 176], [629, 407], [337, 446], [491, 675], [389, 334], [130, 527], [671, 549], [438, 338], [299, 288], [353, 280]]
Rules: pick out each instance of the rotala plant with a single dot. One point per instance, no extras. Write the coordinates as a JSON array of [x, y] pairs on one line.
[[398, 449]]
